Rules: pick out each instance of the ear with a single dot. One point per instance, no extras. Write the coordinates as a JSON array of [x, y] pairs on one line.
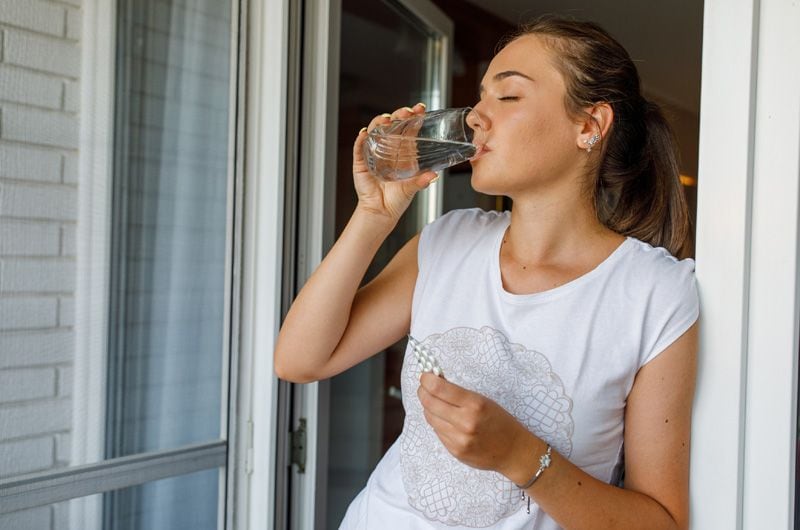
[[597, 121]]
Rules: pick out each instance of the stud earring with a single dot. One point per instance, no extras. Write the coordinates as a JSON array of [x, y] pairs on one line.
[[591, 141]]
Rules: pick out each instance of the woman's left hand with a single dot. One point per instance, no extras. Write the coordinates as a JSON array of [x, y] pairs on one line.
[[473, 428]]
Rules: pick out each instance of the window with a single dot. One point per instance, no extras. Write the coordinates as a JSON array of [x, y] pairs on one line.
[[117, 287]]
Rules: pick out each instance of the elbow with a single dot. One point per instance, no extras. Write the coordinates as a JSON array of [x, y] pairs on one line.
[[286, 372], [293, 377]]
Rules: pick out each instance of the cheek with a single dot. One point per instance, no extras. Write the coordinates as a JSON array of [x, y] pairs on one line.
[[532, 143], [529, 145], [530, 132]]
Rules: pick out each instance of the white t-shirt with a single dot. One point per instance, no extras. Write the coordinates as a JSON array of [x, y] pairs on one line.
[[561, 361]]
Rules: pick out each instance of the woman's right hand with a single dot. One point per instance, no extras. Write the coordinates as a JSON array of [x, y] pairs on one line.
[[386, 199]]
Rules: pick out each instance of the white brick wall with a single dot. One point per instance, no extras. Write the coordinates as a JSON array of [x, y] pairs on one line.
[[35, 417], [27, 383], [26, 456], [39, 135], [19, 312], [41, 17], [36, 347], [42, 53], [25, 163], [35, 201]]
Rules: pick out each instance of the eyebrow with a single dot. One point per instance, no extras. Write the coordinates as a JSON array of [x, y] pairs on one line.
[[505, 74]]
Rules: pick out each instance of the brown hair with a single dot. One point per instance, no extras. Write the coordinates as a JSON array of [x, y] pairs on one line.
[[636, 188]]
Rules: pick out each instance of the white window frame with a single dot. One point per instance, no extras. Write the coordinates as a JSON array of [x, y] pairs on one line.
[[262, 261], [744, 426], [772, 363], [93, 246]]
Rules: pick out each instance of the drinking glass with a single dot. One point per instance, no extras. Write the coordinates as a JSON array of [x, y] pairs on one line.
[[423, 142]]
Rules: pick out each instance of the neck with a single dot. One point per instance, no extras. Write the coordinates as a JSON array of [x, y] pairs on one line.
[[552, 229]]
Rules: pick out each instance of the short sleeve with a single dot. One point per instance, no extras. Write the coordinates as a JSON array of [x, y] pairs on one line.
[[433, 240], [674, 305], [430, 241], [445, 241], [455, 229]]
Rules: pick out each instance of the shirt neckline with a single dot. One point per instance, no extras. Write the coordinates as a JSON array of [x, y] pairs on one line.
[[549, 294]]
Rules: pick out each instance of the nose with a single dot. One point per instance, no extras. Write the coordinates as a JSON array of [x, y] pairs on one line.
[[478, 123]]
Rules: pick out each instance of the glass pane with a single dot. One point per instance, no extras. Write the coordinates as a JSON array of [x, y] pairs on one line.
[[170, 215], [187, 502], [175, 503], [357, 400], [364, 419]]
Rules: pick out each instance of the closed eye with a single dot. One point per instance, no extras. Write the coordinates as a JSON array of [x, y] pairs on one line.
[[508, 98]]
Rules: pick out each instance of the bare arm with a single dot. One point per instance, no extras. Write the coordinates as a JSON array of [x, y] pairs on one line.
[[657, 432], [482, 434], [333, 325]]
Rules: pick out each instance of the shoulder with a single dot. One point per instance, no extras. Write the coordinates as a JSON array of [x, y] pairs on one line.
[[467, 223], [655, 267], [470, 218], [459, 231], [664, 290]]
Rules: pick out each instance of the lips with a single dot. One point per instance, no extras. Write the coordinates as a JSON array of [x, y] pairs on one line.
[[482, 150]]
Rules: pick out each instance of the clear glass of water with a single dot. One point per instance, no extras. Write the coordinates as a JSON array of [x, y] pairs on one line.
[[424, 142]]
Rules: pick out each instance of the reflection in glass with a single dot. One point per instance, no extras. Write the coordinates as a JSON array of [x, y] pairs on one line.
[[364, 421], [168, 242], [168, 317]]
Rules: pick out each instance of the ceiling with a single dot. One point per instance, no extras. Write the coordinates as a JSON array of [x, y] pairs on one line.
[[663, 38]]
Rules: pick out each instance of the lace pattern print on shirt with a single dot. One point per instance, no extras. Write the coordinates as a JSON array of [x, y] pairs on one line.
[[519, 380]]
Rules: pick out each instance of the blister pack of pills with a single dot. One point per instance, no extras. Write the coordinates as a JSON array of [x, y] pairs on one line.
[[425, 359]]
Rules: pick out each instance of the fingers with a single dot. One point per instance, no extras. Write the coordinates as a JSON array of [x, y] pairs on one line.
[[383, 119], [399, 114], [434, 402], [420, 182], [442, 428], [412, 186], [357, 146], [445, 390], [447, 416], [406, 112]]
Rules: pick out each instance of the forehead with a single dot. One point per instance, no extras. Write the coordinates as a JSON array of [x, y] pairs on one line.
[[526, 54]]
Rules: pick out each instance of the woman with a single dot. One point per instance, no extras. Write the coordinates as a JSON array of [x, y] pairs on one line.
[[565, 330]]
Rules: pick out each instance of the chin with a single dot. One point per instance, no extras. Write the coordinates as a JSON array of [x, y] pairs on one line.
[[486, 183]]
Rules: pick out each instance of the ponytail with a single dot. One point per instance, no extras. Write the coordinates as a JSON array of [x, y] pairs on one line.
[[638, 191]]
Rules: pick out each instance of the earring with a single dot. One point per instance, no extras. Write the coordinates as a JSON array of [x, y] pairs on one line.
[[591, 141]]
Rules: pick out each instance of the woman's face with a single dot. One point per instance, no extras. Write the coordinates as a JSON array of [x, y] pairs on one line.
[[531, 143]]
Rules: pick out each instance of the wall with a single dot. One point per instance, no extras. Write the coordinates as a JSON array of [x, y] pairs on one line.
[[39, 94]]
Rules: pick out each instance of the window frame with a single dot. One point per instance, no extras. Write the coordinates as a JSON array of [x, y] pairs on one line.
[[745, 415]]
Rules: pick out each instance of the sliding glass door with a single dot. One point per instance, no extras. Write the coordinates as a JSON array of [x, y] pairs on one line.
[[347, 423]]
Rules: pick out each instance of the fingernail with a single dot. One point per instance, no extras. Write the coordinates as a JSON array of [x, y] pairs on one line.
[[433, 180], [409, 109], [421, 104], [363, 129], [386, 115]]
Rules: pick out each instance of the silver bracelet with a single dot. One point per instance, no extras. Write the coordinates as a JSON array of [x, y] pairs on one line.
[[544, 462]]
